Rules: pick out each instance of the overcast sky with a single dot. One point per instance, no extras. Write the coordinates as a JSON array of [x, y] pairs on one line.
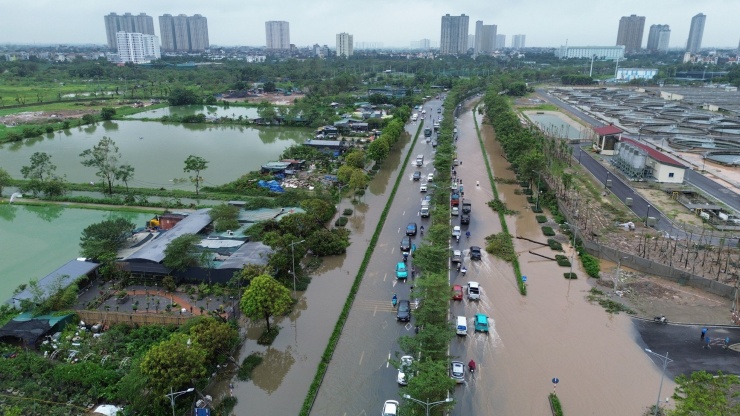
[[387, 22]]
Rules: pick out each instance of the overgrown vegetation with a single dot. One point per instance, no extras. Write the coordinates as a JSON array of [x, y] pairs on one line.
[[501, 246], [499, 206], [595, 295]]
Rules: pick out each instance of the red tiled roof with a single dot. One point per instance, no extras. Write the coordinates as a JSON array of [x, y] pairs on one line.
[[660, 157], [607, 130]]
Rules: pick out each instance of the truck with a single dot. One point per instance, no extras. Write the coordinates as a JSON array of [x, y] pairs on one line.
[[424, 212], [466, 207], [419, 160], [427, 132], [454, 199]]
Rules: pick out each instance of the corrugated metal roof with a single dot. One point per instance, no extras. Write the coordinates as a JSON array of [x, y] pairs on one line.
[[607, 130], [658, 156], [67, 273], [250, 253], [154, 250]]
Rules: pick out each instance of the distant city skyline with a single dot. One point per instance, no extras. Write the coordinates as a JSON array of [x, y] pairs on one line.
[[237, 23]]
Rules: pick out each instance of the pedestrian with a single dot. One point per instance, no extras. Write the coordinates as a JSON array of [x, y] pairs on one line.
[[461, 163], [411, 288], [703, 333], [727, 342], [708, 340], [477, 183]]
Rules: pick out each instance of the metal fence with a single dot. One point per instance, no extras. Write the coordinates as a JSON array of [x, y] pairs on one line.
[[140, 318]]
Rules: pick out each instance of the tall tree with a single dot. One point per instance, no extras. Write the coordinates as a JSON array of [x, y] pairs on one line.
[[125, 173], [174, 363], [5, 179], [264, 298], [105, 237], [181, 253], [107, 113], [40, 168], [104, 157], [195, 164]]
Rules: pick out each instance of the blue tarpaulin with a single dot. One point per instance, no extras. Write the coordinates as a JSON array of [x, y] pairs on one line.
[[274, 186]]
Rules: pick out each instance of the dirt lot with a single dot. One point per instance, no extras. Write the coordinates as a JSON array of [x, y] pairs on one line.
[[276, 99], [35, 117]]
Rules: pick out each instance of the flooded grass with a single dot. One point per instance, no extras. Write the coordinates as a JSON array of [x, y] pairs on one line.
[[595, 295], [248, 365]]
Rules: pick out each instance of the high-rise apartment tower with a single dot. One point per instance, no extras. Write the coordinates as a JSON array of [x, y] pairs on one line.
[[277, 34], [485, 38], [138, 48], [630, 32], [518, 41], [454, 39], [183, 33], [696, 32], [126, 23], [658, 38], [344, 45]]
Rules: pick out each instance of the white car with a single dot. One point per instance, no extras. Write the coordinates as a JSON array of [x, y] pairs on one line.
[[423, 187], [473, 291], [455, 211], [390, 408], [430, 177], [404, 370], [457, 371]]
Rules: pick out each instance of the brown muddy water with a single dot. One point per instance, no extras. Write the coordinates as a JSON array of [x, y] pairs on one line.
[[552, 332], [280, 384]]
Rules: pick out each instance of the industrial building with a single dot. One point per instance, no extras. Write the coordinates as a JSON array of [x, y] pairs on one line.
[[599, 52], [640, 162]]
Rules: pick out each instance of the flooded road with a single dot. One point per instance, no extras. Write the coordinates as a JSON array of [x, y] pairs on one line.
[[552, 332], [280, 384]]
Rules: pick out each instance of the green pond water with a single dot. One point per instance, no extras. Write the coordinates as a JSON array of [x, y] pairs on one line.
[[157, 151], [35, 241], [208, 110]]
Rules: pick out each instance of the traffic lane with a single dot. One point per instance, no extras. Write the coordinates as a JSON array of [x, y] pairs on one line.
[[713, 188], [684, 345]]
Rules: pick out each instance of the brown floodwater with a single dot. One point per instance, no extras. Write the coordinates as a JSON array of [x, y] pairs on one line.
[[552, 332], [280, 383]]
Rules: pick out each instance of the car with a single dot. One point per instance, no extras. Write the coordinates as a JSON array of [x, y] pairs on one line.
[[434, 143], [411, 229], [465, 219], [481, 322], [439, 110], [475, 253], [457, 371], [402, 272], [403, 313], [455, 211], [390, 408], [430, 177], [473, 291], [457, 292], [404, 370], [406, 244], [423, 187], [417, 176], [456, 256]]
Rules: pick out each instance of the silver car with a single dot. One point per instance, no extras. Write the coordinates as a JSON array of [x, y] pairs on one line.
[[457, 371]]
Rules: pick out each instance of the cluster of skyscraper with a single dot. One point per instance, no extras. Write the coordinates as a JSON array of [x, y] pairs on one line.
[[455, 39], [179, 33], [631, 29]]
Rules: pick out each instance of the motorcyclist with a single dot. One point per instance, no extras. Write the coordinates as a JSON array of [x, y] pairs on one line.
[[394, 300], [471, 366], [405, 256], [463, 271], [467, 234], [422, 230]]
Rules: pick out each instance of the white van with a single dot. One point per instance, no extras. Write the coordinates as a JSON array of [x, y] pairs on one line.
[[414, 117], [419, 160], [462, 326]]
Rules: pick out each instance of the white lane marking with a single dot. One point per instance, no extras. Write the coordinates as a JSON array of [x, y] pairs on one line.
[[385, 277], [388, 361], [362, 355], [375, 310]]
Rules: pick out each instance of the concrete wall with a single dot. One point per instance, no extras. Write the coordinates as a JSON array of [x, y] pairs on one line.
[[662, 172]]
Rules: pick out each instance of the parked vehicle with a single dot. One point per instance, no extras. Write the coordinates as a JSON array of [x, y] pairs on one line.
[[457, 371], [456, 256], [427, 132], [406, 244], [390, 408], [457, 292], [455, 211], [456, 232], [403, 313], [430, 177], [424, 212], [461, 326], [473, 291]]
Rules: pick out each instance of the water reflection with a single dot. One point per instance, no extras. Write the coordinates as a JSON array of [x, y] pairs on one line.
[[269, 375], [8, 212], [49, 213], [110, 125]]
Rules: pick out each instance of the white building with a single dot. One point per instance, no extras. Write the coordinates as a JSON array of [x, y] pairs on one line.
[[628, 74], [137, 47], [278, 34], [344, 44], [518, 41], [600, 52]]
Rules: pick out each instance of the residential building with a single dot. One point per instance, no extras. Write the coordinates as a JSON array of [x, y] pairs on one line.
[[454, 38], [485, 38], [423, 44], [517, 41], [628, 74], [600, 52], [658, 38], [500, 42], [471, 42], [126, 23], [696, 32], [344, 44], [183, 33], [138, 48], [278, 35], [630, 32]]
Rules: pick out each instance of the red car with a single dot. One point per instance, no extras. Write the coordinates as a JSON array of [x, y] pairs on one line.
[[457, 292]]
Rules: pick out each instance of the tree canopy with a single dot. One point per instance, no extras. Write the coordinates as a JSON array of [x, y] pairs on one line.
[[182, 253], [104, 238], [195, 164], [706, 394], [264, 298], [105, 157], [174, 364]]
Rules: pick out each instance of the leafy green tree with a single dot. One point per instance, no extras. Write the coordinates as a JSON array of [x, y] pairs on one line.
[[174, 364], [325, 242], [269, 86], [379, 149], [264, 298], [88, 119], [225, 217], [355, 159], [182, 253], [183, 96], [319, 209], [125, 173], [107, 113], [195, 164], [266, 111], [358, 180], [105, 238], [5, 179], [703, 393], [344, 173], [104, 157], [214, 336], [40, 168], [433, 382]]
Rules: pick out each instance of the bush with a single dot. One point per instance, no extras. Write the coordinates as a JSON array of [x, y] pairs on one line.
[[547, 231], [536, 209], [248, 365], [501, 246], [590, 264], [268, 337], [347, 211], [562, 260], [555, 245], [528, 192], [570, 276], [541, 219], [499, 206], [341, 221], [557, 410]]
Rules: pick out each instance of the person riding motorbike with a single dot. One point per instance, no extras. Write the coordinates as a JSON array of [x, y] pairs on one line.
[[421, 229], [471, 366], [463, 271], [394, 300]]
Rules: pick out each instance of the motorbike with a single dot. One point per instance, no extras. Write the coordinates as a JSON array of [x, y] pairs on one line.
[[394, 300], [660, 320], [463, 271]]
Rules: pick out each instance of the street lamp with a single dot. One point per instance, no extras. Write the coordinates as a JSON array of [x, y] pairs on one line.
[[292, 252], [607, 179], [173, 395], [666, 360], [647, 214], [580, 152], [427, 404]]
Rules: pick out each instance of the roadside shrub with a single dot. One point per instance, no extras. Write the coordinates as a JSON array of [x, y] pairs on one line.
[[268, 337], [536, 209], [347, 212], [501, 246], [555, 245], [570, 276], [590, 264], [562, 260], [541, 219], [557, 409], [499, 206], [248, 365], [341, 221], [547, 231]]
